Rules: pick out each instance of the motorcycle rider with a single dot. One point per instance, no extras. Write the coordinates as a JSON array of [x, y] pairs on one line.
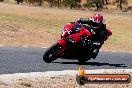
[[96, 25]]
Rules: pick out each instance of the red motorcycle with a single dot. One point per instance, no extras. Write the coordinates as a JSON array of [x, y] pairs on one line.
[[75, 43]]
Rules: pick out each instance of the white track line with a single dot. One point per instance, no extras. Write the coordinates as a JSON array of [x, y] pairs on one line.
[[47, 47], [2, 45], [115, 51]]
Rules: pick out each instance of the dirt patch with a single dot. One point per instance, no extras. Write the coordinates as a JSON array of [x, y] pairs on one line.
[[14, 34]]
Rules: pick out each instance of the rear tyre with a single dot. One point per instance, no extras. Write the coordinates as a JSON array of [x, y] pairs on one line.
[[83, 60], [51, 53]]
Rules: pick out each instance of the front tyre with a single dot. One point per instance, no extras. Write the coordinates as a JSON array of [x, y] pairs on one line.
[[52, 53]]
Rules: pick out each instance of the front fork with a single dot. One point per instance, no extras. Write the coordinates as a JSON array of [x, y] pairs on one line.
[[62, 44]]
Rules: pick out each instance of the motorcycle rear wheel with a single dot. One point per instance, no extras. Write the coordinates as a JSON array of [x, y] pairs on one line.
[[51, 53], [83, 59]]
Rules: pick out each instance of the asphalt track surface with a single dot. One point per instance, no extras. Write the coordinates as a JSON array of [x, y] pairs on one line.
[[15, 59]]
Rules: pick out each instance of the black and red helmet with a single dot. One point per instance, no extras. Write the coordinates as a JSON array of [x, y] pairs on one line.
[[97, 21]]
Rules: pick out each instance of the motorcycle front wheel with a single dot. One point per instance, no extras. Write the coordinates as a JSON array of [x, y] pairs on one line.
[[52, 53]]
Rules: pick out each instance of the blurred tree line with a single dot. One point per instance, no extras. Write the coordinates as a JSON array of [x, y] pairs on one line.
[[52, 3], [99, 4]]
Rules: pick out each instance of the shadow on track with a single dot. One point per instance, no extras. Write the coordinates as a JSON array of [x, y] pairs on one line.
[[93, 64]]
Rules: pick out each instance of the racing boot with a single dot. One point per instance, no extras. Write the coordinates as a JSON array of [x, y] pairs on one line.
[[95, 53]]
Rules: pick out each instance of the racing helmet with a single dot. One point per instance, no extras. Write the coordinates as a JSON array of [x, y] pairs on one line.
[[97, 20]]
